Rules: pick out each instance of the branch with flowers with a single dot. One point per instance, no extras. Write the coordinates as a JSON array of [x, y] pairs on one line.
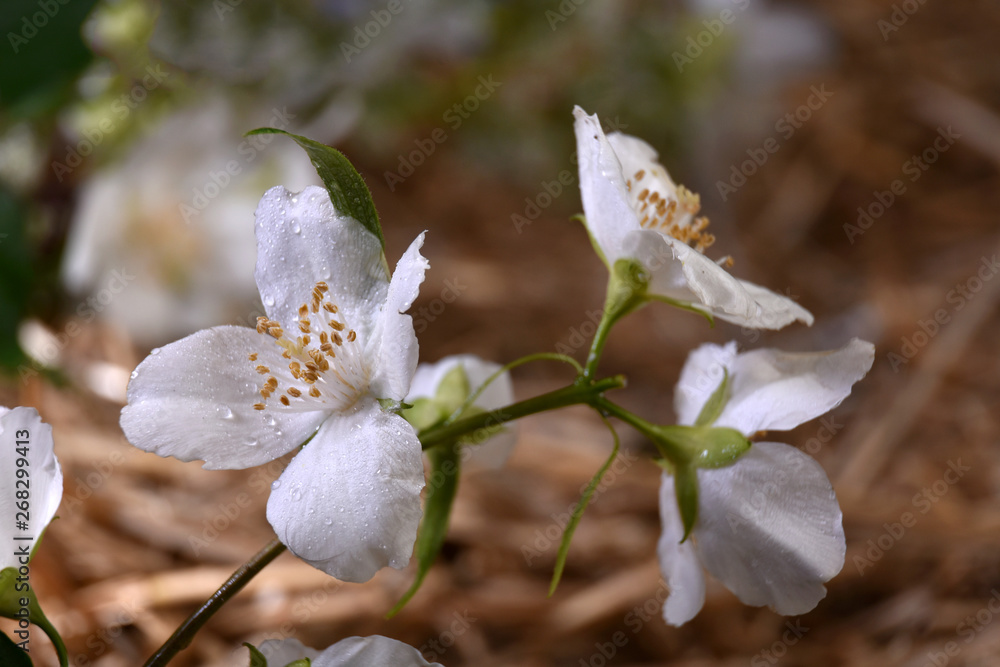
[[331, 374]]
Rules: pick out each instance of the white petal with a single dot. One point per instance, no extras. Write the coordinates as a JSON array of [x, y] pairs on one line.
[[602, 188], [678, 562], [280, 652], [636, 156], [349, 502], [769, 528], [393, 345], [493, 452], [776, 310], [193, 399], [302, 240], [702, 374], [770, 389], [370, 652], [20, 429]]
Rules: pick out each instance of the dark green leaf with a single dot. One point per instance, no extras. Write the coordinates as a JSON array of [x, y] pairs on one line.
[[442, 484], [348, 192], [11, 655], [257, 658]]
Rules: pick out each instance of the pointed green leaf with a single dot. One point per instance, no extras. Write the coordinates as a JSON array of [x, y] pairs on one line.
[[442, 484], [577, 513], [347, 189], [686, 486], [11, 655], [257, 658], [715, 403]]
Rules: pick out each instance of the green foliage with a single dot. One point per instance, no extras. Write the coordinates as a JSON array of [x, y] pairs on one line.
[[347, 189], [11, 655]]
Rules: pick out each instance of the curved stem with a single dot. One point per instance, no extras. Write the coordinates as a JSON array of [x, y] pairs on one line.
[[574, 394], [651, 431], [185, 633]]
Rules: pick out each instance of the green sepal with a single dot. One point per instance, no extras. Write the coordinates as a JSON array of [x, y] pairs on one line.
[[686, 488], [257, 658], [347, 189], [424, 413], [453, 389], [715, 403], [11, 655], [577, 513], [627, 288], [301, 662], [701, 446], [441, 489], [10, 605]]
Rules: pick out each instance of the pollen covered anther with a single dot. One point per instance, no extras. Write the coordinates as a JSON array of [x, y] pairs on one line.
[[314, 373], [674, 213]]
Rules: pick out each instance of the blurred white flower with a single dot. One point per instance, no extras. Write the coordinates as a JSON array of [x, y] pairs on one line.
[[33, 484], [769, 526], [350, 652], [181, 231], [334, 341], [427, 383], [634, 211]]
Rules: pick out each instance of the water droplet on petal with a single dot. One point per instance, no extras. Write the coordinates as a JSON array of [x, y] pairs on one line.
[[223, 411], [268, 300], [327, 522], [251, 442], [295, 226], [324, 272], [155, 351], [297, 495], [134, 374], [275, 485]]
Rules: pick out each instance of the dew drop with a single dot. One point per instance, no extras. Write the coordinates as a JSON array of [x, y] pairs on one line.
[[224, 411], [275, 485], [251, 442], [324, 272], [327, 522], [268, 300], [297, 495], [134, 374], [155, 351], [296, 229]]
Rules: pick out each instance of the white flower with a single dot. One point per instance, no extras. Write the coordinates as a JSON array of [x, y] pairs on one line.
[[350, 652], [634, 211], [32, 496], [494, 451], [335, 340], [769, 526]]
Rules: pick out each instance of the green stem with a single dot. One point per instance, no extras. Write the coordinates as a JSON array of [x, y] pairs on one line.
[[626, 292], [185, 633], [574, 394], [541, 356], [667, 448]]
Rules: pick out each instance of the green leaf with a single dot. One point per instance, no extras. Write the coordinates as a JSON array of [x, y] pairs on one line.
[[715, 403], [441, 488], [347, 189], [257, 658], [11, 655], [577, 513], [686, 487], [453, 389]]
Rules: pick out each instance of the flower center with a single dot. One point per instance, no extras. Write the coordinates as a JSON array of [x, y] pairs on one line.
[[325, 363], [668, 209]]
